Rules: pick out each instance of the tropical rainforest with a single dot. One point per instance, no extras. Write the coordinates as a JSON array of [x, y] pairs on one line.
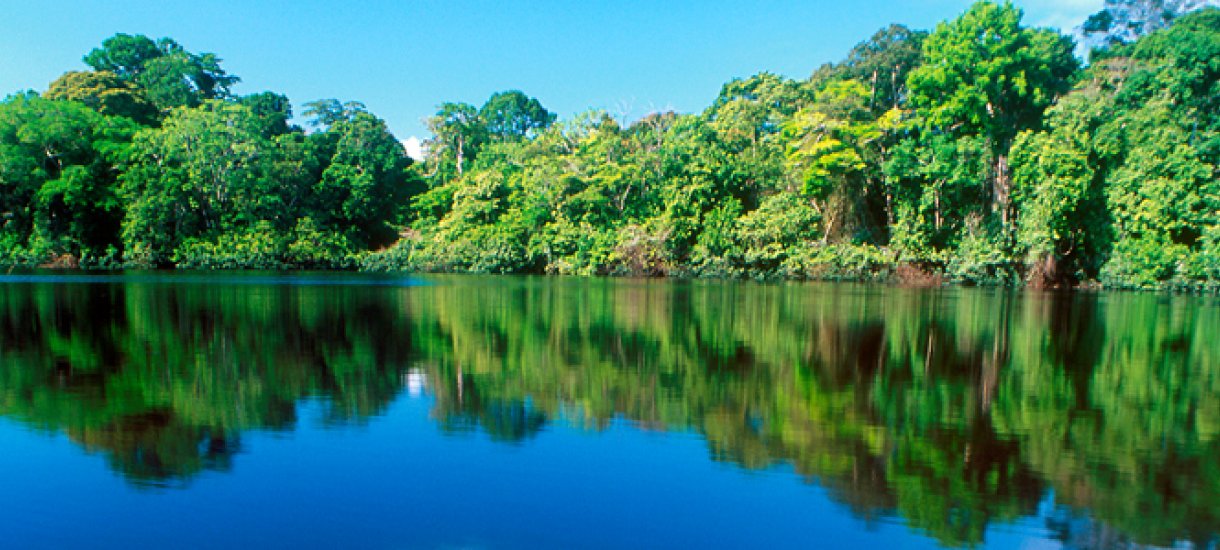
[[982, 151]]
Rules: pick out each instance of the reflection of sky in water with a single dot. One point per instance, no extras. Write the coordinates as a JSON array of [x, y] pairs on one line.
[[518, 412], [399, 482]]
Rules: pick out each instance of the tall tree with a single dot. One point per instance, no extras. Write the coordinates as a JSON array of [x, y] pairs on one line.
[[513, 115], [57, 186], [1062, 227], [457, 133], [124, 55], [366, 183], [169, 75], [828, 142], [324, 113], [274, 110], [104, 92], [203, 173], [985, 74], [883, 62]]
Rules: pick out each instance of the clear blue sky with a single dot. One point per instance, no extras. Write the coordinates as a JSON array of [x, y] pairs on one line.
[[402, 58]]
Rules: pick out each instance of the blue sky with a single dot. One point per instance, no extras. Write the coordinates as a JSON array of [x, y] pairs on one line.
[[402, 58]]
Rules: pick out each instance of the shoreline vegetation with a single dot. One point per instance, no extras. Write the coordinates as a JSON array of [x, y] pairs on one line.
[[981, 152]]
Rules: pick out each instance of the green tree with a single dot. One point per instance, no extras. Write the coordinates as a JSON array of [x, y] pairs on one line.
[[204, 172], [274, 110], [1162, 149], [828, 143], [1063, 224], [985, 74], [457, 134], [748, 110], [168, 74], [104, 92], [513, 115], [882, 63], [124, 55], [367, 182], [57, 185], [324, 113]]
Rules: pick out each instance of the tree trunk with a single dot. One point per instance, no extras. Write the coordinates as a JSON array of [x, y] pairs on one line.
[[872, 99], [1002, 188], [889, 211], [894, 86], [936, 214]]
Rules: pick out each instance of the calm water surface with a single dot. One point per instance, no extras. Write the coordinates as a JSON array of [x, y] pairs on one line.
[[152, 410]]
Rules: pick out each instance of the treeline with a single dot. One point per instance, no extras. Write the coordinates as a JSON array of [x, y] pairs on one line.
[[979, 152], [149, 160]]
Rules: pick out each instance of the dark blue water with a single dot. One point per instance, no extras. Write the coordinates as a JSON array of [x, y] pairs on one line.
[[399, 482], [525, 413]]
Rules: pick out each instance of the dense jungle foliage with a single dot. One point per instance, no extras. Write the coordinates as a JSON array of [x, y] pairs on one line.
[[981, 151]]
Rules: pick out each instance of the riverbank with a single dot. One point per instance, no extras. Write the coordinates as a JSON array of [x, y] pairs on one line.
[[834, 263]]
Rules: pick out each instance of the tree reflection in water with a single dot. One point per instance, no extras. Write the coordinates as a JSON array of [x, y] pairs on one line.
[[953, 409]]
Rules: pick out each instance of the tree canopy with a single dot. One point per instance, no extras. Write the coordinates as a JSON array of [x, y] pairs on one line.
[[980, 151]]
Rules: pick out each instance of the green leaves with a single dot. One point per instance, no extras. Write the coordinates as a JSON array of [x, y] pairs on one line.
[[828, 139], [164, 71], [985, 73], [1058, 192], [367, 184], [104, 92], [56, 181], [212, 174], [934, 149], [961, 151], [460, 130], [457, 134], [513, 115]]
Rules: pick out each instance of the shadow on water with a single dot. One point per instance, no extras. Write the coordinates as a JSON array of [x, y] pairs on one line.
[[953, 409]]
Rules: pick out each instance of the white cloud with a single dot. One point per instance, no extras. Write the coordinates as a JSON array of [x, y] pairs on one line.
[[415, 147]]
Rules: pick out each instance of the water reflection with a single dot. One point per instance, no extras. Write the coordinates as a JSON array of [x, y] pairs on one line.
[[953, 409]]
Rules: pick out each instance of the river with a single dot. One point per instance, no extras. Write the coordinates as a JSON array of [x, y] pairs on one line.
[[188, 410]]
